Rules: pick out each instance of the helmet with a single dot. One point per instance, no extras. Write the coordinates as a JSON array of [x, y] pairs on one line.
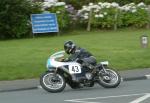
[[69, 47]]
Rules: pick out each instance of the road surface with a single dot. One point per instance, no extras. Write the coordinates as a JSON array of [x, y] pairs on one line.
[[128, 92]]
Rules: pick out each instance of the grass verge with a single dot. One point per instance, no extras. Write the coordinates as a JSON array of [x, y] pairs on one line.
[[26, 58]]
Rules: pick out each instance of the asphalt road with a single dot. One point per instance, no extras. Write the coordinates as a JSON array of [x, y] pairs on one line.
[[128, 92]]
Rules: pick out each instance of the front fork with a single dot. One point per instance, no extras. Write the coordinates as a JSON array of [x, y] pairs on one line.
[[54, 72], [104, 70], [104, 73]]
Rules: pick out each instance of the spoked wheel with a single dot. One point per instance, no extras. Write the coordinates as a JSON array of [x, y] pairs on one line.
[[52, 82], [109, 80]]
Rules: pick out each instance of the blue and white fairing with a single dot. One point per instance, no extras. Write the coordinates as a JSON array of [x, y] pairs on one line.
[[72, 67]]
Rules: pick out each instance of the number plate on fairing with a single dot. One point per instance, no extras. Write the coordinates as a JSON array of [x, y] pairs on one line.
[[74, 69]]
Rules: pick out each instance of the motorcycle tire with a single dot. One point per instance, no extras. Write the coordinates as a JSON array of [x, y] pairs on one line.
[[107, 84], [50, 85]]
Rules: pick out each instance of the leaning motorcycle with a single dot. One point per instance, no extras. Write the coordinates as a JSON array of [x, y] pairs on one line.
[[76, 75]]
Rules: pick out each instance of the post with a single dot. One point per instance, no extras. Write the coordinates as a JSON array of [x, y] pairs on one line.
[[115, 18], [58, 33], [144, 41], [89, 22], [33, 35], [148, 25]]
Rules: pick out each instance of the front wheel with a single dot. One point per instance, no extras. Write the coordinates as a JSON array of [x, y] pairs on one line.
[[52, 82], [110, 79]]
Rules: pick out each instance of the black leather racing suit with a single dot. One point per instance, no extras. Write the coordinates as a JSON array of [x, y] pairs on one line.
[[82, 54]]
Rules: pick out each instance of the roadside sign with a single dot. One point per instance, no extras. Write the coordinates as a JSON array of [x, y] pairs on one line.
[[144, 41], [44, 23]]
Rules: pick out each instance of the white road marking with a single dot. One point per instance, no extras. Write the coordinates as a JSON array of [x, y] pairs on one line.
[[138, 100], [84, 100], [81, 101], [39, 87], [148, 76]]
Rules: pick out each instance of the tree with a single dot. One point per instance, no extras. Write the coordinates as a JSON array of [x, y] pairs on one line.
[[15, 17]]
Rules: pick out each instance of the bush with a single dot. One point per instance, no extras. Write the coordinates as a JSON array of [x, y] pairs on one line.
[[112, 15], [78, 4], [64, 13], [15, 17], [124, 2], [135, 15]]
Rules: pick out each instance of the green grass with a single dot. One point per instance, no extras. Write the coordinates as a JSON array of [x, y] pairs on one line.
[[26, 58]]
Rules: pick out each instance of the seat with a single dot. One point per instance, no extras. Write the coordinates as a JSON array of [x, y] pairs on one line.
[[90, 60]]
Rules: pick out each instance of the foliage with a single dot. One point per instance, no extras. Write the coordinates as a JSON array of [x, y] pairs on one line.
[[109, 15], [135, 15], [123, 2], [61, 10], [78, 4], [15, 17]]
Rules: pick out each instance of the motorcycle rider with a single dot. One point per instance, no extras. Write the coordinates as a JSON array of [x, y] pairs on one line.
[[78, 54]]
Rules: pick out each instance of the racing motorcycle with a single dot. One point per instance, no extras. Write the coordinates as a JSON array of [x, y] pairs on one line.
[[76, 75]]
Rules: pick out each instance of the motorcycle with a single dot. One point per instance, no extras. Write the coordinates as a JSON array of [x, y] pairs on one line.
[[76, 75]]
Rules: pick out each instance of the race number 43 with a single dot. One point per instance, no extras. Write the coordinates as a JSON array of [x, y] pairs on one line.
[[74, 69]]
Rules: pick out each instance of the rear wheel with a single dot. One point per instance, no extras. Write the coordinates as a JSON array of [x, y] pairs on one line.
[[111, 79], [52, 82]]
